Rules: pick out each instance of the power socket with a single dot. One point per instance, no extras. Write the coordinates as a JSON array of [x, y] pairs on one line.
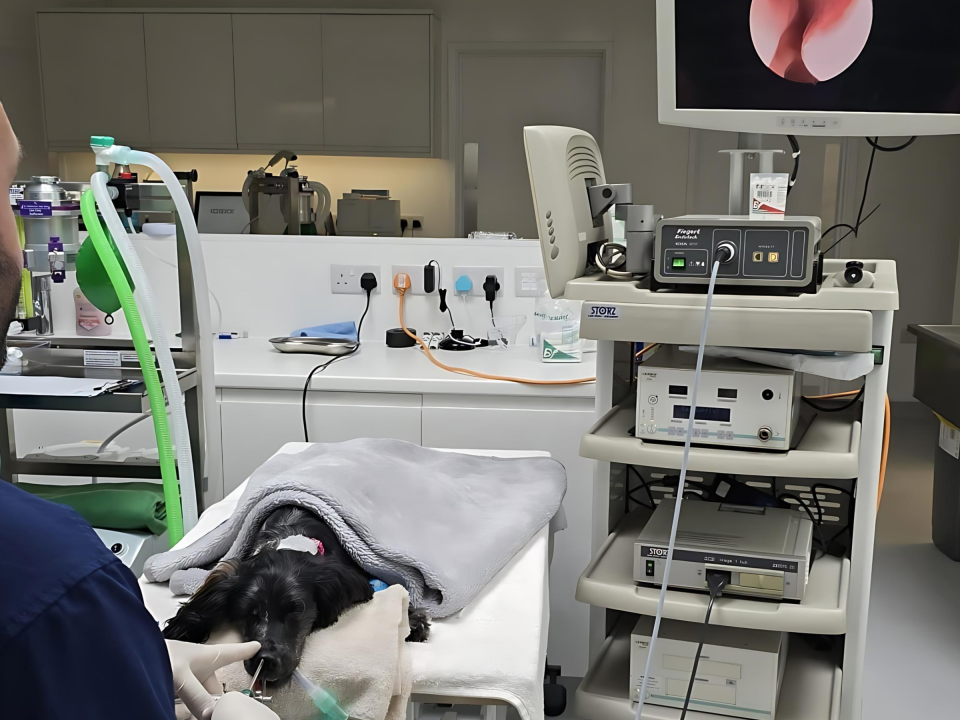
[[416, 278], [411, 219], [345, 279], [477, 275]]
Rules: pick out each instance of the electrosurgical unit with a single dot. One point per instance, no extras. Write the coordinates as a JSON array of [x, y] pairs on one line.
[[742, 404]]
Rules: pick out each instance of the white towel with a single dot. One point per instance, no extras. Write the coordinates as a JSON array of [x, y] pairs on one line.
[[362, 660]]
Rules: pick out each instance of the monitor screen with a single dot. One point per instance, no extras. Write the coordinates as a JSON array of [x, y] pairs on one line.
[[831, 56]]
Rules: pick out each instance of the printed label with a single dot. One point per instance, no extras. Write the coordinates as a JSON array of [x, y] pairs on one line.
[[604, 312], [35, 208], [129, 358], [16, 192], [950, 439], [718, 559], [101, 358]]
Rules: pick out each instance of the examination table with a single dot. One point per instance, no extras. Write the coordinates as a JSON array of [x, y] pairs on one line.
[[492, 653]]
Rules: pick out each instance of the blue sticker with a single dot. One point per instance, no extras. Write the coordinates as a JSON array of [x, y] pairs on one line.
[[35, 208]]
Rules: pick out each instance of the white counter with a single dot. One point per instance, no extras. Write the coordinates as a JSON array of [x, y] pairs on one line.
[[252, 363]]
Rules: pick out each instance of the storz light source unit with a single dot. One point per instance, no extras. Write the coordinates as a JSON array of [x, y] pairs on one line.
[[740, 404], [764, 256], [739, 675], [766, 551]]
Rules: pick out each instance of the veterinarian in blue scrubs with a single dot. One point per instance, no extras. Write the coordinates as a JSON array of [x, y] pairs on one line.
[[75, 638]]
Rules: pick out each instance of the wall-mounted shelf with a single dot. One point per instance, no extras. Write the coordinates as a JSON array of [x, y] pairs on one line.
[[608, 582], [829, 450], [810, 691]]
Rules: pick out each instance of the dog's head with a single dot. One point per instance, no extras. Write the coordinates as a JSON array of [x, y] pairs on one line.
[[276, 597]]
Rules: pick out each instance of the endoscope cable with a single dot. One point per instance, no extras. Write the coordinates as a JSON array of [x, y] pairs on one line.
[[681, 486]]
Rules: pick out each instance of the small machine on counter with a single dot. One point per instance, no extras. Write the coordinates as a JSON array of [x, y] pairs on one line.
[[297, 193], [740, 404], [739, 675], [764, 550], [368, 213]]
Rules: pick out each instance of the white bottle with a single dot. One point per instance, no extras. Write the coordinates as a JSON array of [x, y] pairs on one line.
[[90, 320]]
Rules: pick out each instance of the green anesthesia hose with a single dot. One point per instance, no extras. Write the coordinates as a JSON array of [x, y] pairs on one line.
[[168, 466]]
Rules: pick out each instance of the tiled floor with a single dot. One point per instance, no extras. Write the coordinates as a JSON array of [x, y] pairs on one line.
[[913, 641]]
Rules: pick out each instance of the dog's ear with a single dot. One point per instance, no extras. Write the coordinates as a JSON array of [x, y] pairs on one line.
[[335, 590], [201, 614]]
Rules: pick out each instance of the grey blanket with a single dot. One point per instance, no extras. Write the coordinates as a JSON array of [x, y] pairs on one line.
[[441, 524]]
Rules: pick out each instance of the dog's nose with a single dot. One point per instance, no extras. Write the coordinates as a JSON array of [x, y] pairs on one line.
[[271, 662]]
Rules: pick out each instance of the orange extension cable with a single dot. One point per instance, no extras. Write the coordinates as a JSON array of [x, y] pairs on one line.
[[886, 433], [402, 283]]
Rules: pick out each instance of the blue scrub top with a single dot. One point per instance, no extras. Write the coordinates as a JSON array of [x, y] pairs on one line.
[[75, 638]]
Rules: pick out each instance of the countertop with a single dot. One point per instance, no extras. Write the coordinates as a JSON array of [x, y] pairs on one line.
[[947, 334], [252, 363]]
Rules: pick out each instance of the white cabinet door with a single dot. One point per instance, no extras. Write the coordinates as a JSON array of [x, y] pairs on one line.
[[72, 44], [190, 81], [556, 426], [256, 423], [279, 94], [376, 83]]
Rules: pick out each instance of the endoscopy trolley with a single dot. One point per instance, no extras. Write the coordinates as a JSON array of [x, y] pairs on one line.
[[64, 357], [816, 686]]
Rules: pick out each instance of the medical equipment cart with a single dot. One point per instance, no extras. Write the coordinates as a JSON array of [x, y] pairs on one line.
[[836, 447], [89, 357]]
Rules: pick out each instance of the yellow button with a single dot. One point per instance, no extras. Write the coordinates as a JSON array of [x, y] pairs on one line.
[[773, 257]]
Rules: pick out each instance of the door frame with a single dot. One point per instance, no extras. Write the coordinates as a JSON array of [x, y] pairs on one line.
[[455, 54]]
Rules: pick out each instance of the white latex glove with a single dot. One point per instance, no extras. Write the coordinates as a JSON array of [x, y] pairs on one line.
[[237, 706], [194, 672]]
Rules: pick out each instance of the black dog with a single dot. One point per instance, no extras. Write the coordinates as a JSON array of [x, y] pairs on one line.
[[278, 597]]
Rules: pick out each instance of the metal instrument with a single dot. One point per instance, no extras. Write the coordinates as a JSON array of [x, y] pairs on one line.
[[314, 345]]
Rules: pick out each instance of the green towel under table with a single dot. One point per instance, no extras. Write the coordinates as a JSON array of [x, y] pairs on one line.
[[111, 506]]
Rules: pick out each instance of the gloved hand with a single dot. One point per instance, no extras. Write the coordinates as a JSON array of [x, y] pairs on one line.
[[237, 706], [194, 672]]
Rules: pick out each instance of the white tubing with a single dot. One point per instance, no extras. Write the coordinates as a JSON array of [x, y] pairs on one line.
[[681, 486], [208, 388], [150, 309]]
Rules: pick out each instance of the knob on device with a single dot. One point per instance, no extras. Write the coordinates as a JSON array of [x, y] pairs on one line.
[[726, 251]]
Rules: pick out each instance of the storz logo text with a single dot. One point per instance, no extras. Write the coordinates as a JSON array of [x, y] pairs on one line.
[[604, 312], [656, 552]]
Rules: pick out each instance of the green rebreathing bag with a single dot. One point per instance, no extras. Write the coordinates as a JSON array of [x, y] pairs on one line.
[[106, 250]]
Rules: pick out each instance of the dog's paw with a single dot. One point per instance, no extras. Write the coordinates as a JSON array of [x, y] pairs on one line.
[[419, 626]]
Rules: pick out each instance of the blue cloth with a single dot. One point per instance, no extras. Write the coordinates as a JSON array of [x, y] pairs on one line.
[[340, 330], [75, 638], [378, 585]]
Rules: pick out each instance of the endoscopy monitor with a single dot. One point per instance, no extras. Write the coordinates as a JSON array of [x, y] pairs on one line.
[[810, 67]]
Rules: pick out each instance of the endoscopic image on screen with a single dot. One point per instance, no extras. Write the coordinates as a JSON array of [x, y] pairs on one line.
[[887, 56]]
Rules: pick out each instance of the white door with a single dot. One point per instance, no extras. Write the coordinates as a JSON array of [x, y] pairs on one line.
[[257, 423], [497, 92]]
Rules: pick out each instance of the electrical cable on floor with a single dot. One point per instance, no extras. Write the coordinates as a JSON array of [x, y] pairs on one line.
[[716, 582], [323, 366], [681, 486], [402, 283]]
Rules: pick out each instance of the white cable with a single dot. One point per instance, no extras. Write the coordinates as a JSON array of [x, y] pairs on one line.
[[681, 487]]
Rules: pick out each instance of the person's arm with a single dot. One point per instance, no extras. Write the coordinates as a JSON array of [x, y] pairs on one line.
[[94, 653], [9, 161]]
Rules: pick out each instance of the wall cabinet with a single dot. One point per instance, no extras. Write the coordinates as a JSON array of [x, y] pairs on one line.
[[376, 82], [311, 81], [279, 92], [190, 80], [70, 46]]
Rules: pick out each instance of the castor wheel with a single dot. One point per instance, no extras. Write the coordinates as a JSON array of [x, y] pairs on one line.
[[554, 694]]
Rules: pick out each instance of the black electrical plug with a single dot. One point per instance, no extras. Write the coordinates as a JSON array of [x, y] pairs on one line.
[[429, 279], [490, 288], [368, 282], [417, 225], [403, 226]]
